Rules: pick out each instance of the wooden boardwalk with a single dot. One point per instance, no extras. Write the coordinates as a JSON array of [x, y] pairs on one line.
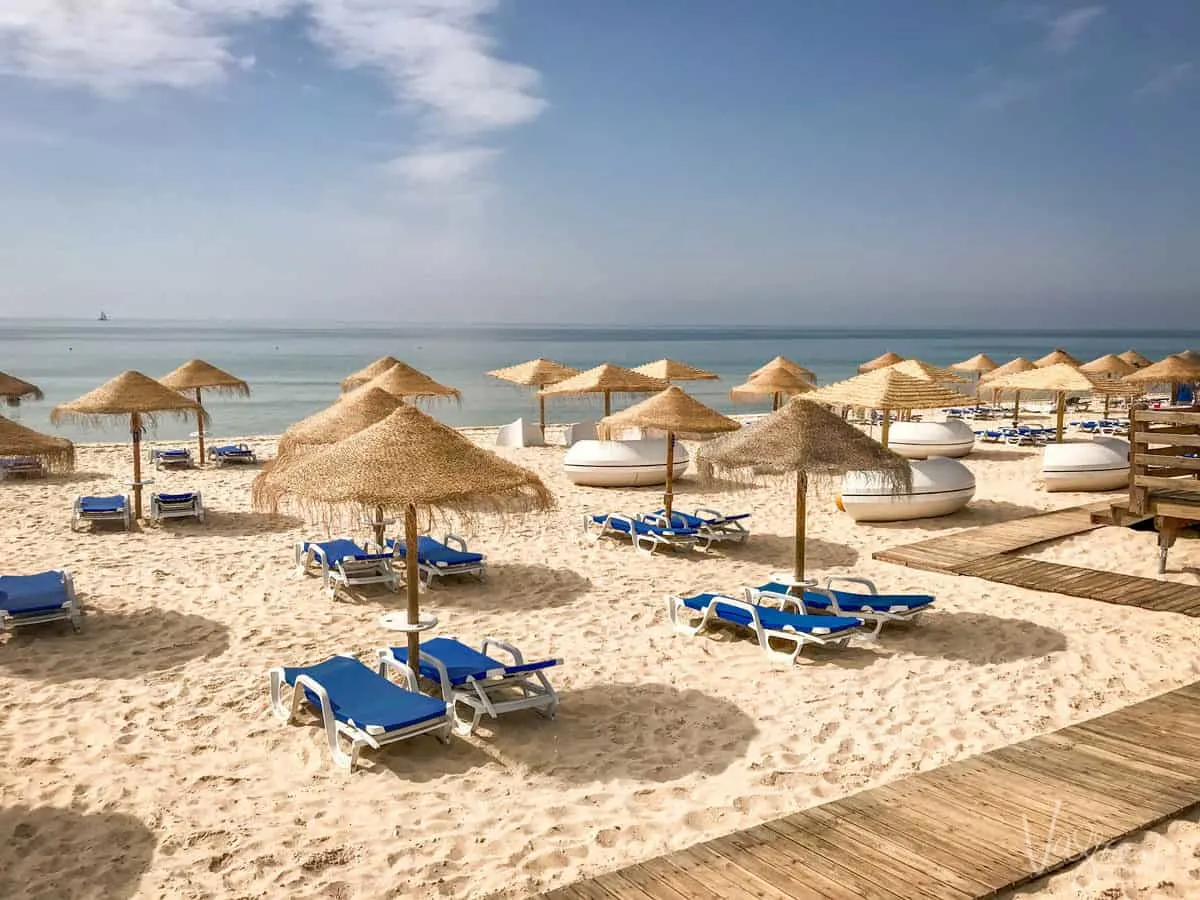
[[968, 829], [988, 552]]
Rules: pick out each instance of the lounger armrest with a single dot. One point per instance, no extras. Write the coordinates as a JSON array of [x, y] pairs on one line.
[[656, 519], [512, 651], [703, 511], [454, 539], [853, 579], [389, 663]]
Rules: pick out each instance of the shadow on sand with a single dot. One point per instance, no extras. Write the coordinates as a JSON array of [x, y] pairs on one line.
[[978, 638], [238, 524], [132, 644], [979, 512], [514, 586], [48, 851], [776, 552]]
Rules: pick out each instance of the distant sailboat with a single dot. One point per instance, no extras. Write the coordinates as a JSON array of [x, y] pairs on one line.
[[103, 316]]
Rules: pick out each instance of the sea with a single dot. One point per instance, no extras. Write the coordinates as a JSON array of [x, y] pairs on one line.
[[294, 370]]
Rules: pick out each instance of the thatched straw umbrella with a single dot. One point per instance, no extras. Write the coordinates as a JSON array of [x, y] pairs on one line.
[[1012, 367], [1059, 379], [809, 440], [1174, 370], [676, 413], [56, 453], [129, 394], [407, 464], [13, 390], [1135, 359], [536, 373], [348, 415], [196, 375], [607, 379], [1108, 367], [881, 361], [978, 365], [407, 383], [778, 379], [1057, 356], [672, 370], [888, 391], [366, 373], [782, 362], [1189, 356], [927, 371]]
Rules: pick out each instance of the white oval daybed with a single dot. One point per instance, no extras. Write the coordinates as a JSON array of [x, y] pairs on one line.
[[623, 463], [940, 486], [1101, 464], [920, 440]]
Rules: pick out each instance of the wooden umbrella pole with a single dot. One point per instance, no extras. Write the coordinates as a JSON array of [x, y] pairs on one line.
[[883, 429], [775, 401], [607, 403], [668, 494], [413, 584], [378, 523], [135, 432], [1016, 408], [1107, 398], [1062, 413], [200, 425], [542, 411], [801, 517]]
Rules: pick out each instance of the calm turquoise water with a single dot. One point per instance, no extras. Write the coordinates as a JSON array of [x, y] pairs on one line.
[[295, 371]]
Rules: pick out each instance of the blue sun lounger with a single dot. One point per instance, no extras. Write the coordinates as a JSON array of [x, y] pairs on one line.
[[646, 536], [691, 615], [437, 559], [359, 703], [485, 685], [33, 599], [178, 457], [231, 453], [711, 525], [342, 563], [875, 608], [101, 509], [188, 505]]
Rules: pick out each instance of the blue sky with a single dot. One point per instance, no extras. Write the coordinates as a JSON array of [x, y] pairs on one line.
[[861, 162]]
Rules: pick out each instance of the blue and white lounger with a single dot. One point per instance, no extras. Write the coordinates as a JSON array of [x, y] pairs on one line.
[[711, 525], [484, 684], [231, 453], [101, 509], [179, 457], [875, 608], [437, 559], [27, 466], [32, 599], [769, 624], [342, 563], [646, 536], [359, 703], [177, 506]]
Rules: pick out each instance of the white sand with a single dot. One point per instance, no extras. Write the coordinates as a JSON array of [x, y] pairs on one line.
[[146, 748]]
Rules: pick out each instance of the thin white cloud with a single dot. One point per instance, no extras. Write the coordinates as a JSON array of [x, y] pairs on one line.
[[1064, 31], [1166, 80], [437, 166], [1006, 92]]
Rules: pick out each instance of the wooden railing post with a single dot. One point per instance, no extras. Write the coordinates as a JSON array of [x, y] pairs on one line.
[[1139, 497]]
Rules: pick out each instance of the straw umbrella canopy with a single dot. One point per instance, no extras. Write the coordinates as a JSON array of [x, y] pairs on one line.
[[407, 464], [881, 361], [1108, 367], [1174, 370], [129, 394], [1135, 359], [1055, 357], [809, 440], [407, 383], [777, 379], [1189, 356], [672, 370], [195, 376], [366, 373], [536, 373], [607, 379], [56, 453], [979, 364], [348, 415], [1058, 379], [676, 413], [889, 390], [785, 363], [1012, 367], [14, 390], [920, 369]]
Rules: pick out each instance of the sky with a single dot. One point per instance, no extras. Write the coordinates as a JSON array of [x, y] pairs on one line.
[[865, 162]]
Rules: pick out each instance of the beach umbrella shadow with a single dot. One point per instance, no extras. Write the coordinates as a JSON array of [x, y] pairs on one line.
[[512, 586], [68, 854], [647, 732], [246, 524], [776, 550], [978, 638], [131, 645], [977, 513]]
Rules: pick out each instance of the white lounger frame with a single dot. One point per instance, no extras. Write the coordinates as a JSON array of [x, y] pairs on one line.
[[346, 573], [247, 458], [902, 615], [372, 736], [125, 516], [23, 467], [493, 694], [430, 571], [177, 509], [70, 611], [643, 543], [172, 462], [716, 530], [697, 622]]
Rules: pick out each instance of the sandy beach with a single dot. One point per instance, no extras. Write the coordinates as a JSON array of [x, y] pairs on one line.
[[141, 759]]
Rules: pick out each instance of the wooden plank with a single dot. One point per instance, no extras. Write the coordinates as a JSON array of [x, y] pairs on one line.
[[1169, 440], [1186, 485], [651, 886], [1169, 417], [615, 886], [746, 854], [698, 866], [682, 881]]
